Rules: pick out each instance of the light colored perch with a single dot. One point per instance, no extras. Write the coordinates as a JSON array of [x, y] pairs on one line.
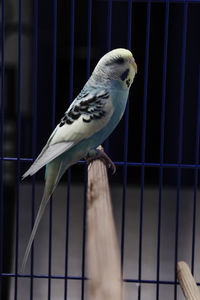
[[103, 263], [187, 282]]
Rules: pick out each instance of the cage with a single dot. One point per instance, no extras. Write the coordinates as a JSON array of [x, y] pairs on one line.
[[48, 50]]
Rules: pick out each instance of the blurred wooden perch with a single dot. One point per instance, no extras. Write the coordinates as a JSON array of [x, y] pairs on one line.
[[103, 260], [187, 282]]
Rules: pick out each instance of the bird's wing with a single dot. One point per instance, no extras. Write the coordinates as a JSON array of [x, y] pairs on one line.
[[86, 115]]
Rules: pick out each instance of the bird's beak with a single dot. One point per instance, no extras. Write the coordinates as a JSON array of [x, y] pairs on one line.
[[133, 63]]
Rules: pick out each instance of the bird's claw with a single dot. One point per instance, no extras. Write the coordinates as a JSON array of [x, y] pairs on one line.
[[100, 154]]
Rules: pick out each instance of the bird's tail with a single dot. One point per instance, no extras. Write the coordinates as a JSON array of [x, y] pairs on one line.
[[52, 179]]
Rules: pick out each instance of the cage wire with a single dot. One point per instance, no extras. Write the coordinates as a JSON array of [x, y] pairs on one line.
[[48, 50]]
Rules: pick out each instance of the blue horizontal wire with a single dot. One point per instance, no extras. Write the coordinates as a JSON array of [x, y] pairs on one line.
[[129, 280], [121, 163], [81, 278], [174, 1], [42, 276], [157, 1], [16, 159]]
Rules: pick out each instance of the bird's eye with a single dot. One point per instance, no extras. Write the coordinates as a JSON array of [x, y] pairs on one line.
[[120, 60]]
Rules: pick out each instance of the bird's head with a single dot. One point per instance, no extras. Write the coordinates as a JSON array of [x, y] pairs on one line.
[[118, 65]]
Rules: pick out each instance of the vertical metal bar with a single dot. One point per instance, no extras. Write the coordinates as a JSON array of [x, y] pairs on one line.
[[109, 25], [84, 234], [71, 52], [53, 125], [125, 146], [54, 64], [18, 150], [69, 170], [2, 136], [162, 142], [196, 176], [180, 138], [109, 36], [35, 86], [85, 167], [67, 233], [89, 37], [144, 143]]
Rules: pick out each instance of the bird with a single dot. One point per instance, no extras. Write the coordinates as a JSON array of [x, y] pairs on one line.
[[86, 124]]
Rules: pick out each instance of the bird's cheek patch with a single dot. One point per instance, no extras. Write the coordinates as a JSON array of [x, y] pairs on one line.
[[124, 75]]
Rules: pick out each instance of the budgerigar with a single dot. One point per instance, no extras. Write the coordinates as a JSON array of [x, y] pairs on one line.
[[89, 120]]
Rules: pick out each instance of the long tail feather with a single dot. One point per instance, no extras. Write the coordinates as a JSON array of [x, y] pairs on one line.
[[52, 179], [37, 221]]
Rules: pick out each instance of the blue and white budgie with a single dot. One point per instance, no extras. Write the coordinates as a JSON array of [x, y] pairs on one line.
[[89, 120]]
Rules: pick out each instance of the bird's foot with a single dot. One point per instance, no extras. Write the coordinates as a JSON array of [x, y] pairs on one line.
[[100, 154]]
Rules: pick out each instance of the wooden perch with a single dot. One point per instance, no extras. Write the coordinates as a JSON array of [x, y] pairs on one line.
[[103, 263], [187, 282]]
